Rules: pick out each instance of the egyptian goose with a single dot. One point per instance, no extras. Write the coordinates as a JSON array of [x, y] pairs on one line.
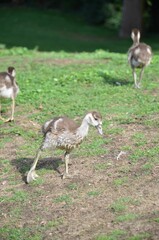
[[139, 56], [64, 133], [8, 89]]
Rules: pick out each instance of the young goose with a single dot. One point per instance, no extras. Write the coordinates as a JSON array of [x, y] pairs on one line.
[[8, 89], [63, 133], [139, 56]]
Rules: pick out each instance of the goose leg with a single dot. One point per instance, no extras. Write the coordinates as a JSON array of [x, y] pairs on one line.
[[135, 78], [13, 108], [12, 111], [32, 174], [140, 78], [66, 158], [0, 114]]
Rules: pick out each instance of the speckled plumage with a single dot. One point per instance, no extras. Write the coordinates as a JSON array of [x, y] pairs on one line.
[[64, 133]]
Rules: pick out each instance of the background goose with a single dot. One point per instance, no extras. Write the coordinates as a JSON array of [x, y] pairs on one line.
[[8, 89], [139, 56]]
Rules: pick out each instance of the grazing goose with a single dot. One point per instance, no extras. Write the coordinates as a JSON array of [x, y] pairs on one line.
[[8, 89], [139, 56], [63, 133]]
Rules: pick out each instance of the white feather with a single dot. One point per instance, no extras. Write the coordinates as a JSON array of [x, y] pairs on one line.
[[6, 92]]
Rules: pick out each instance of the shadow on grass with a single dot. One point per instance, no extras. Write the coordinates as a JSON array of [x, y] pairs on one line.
[[114, 81], [23, 165], [49, 30]]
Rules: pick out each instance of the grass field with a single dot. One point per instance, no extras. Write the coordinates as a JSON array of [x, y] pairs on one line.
[[66, 67]]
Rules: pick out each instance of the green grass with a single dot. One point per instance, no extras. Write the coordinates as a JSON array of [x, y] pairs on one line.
[[4, 141], [139, 139], [72, 186], [120, 181], [149, 153], [18, 233], [114, 235], [5, 164], [156, 220], [39, 181], [93, 193], [63, 198], [126, 217], [118, 207], [101, 166], [140, 236], [122, 205], [54, 223], [65, 67], [17, 196]]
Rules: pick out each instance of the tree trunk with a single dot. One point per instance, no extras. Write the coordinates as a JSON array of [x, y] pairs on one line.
[[131, 16]]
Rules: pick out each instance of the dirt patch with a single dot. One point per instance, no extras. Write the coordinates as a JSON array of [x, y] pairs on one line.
[[67, 61], [81, 207]]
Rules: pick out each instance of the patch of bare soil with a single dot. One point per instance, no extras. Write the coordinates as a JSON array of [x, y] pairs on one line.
[[67, 61], [81, 207]]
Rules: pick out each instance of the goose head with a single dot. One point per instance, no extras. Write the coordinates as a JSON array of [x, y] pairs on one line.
[[135, 35], [94, 118], [11, 71]]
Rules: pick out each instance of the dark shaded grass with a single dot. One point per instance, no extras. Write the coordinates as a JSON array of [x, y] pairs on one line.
[[49, 30]]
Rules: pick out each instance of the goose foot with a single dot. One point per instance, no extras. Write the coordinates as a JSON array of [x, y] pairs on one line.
[[9, 120], [66, 175], [31, 176], [138, 86]]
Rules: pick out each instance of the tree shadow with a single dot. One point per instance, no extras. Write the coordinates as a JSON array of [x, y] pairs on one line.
[[51, 30], [114, 81], [23, 165]]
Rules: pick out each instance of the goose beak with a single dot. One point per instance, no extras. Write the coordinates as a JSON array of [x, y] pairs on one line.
[[99, 128]]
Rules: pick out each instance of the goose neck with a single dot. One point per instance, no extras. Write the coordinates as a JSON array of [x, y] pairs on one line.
[[83, 129]]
